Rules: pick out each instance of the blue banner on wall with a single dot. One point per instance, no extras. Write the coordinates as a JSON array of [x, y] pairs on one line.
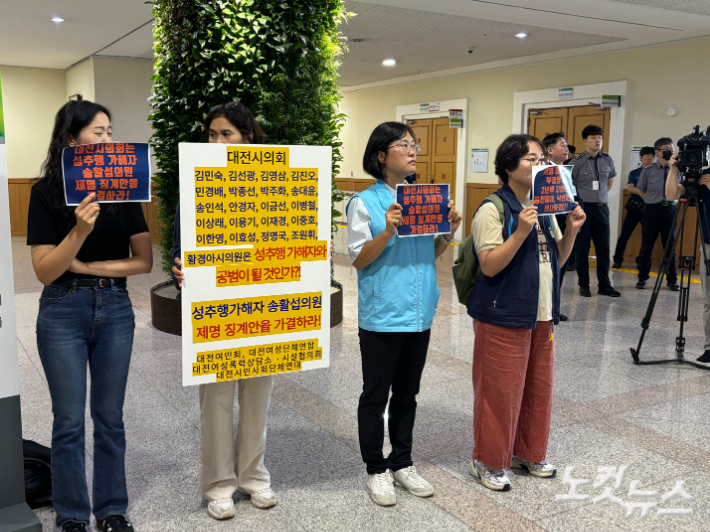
[[115, 171], [553, 191], [424, 210]]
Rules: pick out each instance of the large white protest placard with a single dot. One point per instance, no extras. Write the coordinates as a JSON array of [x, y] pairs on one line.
[[255, 237]]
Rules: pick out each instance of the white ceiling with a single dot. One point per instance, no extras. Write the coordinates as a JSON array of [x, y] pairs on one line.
[[698, 7], [29, 38], [426, 42], [428, 39]]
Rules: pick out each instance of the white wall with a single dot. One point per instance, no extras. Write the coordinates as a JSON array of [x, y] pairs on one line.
[[659, 77], [31, 100], [80, 80], [123, 86]]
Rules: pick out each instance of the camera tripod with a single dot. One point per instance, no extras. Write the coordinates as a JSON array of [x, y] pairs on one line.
[[686, 264]]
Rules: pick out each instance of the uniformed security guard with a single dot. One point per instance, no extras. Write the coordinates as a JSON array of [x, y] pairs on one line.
[[660, 213], [634, 207], [593, 176]]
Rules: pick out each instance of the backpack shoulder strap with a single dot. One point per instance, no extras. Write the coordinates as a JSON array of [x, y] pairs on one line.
[[498, 202]]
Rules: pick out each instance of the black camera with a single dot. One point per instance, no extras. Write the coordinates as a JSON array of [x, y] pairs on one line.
[[693, 155]]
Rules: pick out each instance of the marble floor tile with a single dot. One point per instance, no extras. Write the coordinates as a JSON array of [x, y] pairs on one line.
[[607, 411]]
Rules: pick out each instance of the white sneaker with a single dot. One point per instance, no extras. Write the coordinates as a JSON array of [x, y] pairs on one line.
[[263, 499], [382, 489], [539, 469], [221, 508], [412, 482], [493, 479]]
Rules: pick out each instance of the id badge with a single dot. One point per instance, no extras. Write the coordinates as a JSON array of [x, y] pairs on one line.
[[595, 185]]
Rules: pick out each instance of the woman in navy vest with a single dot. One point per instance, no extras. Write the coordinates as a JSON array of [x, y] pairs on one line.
[[515, 306], [397, 299]]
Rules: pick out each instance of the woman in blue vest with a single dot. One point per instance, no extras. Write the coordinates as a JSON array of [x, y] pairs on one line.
[[397, 299], [515, 306]]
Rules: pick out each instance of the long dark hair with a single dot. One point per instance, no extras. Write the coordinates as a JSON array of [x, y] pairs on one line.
[[240, 117], [379, 141], [70, 120]]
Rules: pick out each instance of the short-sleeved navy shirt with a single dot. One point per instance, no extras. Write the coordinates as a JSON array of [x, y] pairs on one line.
[[48, 224]]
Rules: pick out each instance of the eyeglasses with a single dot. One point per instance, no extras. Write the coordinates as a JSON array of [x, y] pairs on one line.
[[406, 148], [534, 160]]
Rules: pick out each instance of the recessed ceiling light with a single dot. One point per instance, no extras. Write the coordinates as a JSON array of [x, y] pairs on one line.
[[57, 19], [521, 35], [389, 62]]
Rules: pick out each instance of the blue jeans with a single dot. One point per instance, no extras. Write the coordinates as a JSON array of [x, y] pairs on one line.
[[76, 326]]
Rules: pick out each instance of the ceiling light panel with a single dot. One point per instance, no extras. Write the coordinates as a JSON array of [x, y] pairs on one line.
[[425, 42]]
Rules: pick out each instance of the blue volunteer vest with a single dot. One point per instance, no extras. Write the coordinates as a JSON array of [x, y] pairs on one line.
[[511, 298], [398, 291]]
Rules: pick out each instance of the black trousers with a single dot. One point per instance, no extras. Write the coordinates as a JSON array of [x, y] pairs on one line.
[[630, 222], [595, 229], [658, 219], [390, 360]]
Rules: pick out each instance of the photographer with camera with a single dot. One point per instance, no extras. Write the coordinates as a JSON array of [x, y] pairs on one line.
[[674, 190], [660, 213]]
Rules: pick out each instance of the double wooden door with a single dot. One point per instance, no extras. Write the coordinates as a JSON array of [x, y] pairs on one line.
[[571, 121], [437, 161]]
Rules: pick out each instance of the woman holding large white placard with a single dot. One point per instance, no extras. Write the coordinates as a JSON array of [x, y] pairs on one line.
[[225, 464], [83, 255], [397, 300]]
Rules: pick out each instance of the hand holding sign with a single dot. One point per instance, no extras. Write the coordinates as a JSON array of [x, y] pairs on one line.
[[177, 271], [455, 217], [393, 218], [576, 218], [527, 220], [86, 214]]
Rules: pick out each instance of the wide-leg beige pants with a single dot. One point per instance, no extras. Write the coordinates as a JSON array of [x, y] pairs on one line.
[[227, 463]]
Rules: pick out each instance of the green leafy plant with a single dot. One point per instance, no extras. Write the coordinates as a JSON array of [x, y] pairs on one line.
[[279, 58]]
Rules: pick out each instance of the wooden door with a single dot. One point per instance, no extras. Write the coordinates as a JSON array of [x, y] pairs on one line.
[[581, 117], [437, 161], [444, 144], [571, 121], [548, 121], [423, 133]]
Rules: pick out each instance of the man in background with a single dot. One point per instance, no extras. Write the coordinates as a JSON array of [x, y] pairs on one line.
[[572, 151], [659, 214], [593, 176], [556, 150], [634, 207]]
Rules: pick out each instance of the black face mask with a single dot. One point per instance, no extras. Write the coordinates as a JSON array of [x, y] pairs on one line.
[[667, 155]]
